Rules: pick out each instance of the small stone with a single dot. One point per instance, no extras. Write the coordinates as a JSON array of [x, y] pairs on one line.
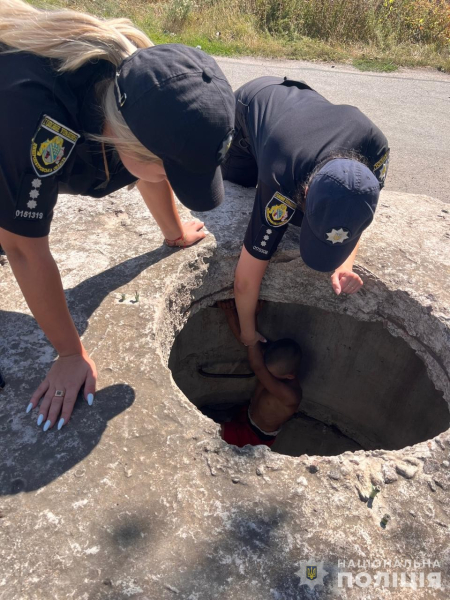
[[406, 471], [259, 472], [107, 582], [412, 513], [334, 475], [445, 463], [313, 468], [235, 479], [444, 485], [430, 466], [432, 486], [389, 473], [437, 440], [376, 479], [363, 496], [302, 481]]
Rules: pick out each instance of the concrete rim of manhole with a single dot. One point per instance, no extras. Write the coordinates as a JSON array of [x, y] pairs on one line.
[[401, 313]]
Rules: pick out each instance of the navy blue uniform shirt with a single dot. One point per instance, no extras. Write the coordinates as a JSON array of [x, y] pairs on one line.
[[284, 129], [45, 117]]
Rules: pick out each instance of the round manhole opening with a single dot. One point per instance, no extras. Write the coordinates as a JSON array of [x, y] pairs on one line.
[[363, 388]]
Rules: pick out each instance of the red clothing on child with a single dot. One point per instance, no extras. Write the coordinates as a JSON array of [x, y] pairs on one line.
[[240, 432]]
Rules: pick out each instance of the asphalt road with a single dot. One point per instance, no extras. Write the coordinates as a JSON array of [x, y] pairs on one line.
[[411, 107]]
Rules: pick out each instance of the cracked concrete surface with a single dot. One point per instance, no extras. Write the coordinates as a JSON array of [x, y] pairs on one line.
[[138, 497]]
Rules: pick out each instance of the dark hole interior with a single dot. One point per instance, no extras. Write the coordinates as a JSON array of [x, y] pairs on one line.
[[362, 387]]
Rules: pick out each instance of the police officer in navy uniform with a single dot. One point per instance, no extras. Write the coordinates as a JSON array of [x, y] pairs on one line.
[[84, 111], [316, 165]]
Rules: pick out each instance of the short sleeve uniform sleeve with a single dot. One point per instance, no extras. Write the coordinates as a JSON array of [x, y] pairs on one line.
[[32, 146], [271, 214], [36, 142], [378, 155]]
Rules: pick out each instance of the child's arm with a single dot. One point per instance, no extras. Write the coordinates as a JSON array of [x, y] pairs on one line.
[[274, 386], [229, 308]]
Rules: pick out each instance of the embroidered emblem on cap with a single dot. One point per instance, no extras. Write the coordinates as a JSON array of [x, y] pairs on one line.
[[51, 146], [280, 210], [337, 236], [224, 147]]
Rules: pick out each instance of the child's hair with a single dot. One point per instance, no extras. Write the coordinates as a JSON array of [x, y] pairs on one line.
[[285, 355]]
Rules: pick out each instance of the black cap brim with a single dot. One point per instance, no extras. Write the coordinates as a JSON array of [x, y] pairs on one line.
[[197, 191], [322, 256]]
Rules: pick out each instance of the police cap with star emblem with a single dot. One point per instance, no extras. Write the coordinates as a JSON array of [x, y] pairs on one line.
[[340, 204]]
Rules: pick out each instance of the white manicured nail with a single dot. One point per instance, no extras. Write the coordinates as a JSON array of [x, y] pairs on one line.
[[29, 407], [47, 425], [60, 423], [90, 399], [40, 419]]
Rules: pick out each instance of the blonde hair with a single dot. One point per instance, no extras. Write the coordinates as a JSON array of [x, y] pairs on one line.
[[72, 39]]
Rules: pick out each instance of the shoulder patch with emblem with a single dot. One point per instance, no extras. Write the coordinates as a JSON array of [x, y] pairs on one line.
[[51, 146], [381, 167], [279, 210]]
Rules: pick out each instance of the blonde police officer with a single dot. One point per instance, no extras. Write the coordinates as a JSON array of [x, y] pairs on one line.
[[88, 106]]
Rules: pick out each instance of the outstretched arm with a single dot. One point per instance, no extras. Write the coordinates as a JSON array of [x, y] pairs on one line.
[[247, 282], [159, 198], [39, 279], [274, 386]]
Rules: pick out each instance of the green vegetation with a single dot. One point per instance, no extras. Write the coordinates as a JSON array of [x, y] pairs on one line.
[[374, 64], [374, 34]]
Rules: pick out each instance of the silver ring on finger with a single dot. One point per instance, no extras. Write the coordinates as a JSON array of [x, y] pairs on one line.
[[59, 394]]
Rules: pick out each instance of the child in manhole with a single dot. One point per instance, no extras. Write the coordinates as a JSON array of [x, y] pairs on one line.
[[277, 395]]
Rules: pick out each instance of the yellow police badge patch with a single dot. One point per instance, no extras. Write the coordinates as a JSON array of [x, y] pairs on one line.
[[280, 210], [51, 146], [380, 169]]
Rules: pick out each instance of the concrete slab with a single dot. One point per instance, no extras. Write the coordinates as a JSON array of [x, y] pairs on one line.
[[139, 498]]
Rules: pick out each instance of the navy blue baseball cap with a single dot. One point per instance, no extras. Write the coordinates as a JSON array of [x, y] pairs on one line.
[[340, 203], [179, 105]]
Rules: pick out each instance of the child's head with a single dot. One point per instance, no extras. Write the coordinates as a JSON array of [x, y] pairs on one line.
[[283, 358]]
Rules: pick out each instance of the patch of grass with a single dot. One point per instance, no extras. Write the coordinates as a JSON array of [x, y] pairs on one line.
[[373, 34], [374, 64]]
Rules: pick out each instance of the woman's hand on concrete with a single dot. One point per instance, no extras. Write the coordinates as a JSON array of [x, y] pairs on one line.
[[67, 375], [345, 281], [193, 232]]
